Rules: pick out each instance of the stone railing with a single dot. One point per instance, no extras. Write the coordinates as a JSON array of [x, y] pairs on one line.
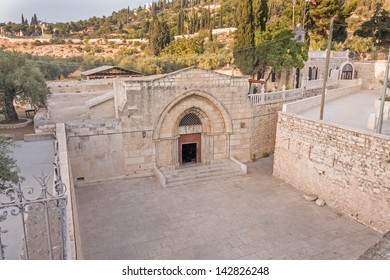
[[277, 96], [343, 86]]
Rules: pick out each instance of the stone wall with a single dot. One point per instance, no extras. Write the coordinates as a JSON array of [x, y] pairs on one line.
[[95, 149], [348, 168], [73, 241], [156, 104], [264, 123], [81, 86], [371, 72]]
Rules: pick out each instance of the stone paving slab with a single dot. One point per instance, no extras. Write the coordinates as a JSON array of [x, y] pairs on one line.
[[256, 216]]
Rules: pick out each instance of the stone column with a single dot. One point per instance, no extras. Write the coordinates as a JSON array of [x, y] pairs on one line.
[[175, 152]]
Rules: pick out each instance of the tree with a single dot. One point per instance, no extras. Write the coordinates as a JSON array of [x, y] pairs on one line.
[[9, 172], [361, 45], [244, 43], [276, 51], [319, 21], [261, 14], [20, 78], [159, 35], [378, 27]]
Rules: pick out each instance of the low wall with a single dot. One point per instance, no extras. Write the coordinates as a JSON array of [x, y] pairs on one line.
[[73, 241], [264, 128], [81, 86], [350, 169], [306, 104]]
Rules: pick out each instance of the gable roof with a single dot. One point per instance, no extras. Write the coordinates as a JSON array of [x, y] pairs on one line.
[[105, 68], [161, 76]]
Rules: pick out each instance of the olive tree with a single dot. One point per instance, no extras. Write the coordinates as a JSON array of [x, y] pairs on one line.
[[21, 78]]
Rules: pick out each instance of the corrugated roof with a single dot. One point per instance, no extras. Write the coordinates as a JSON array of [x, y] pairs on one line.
[[105, 68]]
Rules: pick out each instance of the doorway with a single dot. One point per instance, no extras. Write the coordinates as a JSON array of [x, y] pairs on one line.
[[190, 148], [189, 153]]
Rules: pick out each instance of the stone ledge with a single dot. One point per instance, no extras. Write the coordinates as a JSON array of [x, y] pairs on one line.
[[16, 125], [38, 137]]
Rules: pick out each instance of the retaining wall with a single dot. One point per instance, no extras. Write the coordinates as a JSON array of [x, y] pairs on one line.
[[348, 168]]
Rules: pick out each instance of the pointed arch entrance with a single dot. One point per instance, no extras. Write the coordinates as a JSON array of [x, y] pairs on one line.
[[190, 141], [193, 128]]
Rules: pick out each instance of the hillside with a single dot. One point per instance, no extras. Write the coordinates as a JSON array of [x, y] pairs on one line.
[[183, 17], [122, 37]]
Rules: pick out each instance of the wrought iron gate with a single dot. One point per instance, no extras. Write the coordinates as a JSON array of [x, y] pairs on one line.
[[49, 200]]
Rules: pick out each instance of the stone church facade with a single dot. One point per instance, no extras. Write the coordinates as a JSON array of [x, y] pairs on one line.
[[164, 121]]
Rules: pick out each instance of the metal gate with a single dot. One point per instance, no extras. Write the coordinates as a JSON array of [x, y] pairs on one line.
[[48, 200]]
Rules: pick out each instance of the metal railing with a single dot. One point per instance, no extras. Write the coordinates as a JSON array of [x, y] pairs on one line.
[[47, 199]]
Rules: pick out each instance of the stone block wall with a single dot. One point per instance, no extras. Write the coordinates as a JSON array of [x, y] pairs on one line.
[[264, 128], [138, 153], [349, 169], [95, 149], [81, 86], [371, 72]]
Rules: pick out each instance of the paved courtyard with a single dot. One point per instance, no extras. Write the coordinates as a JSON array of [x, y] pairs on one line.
[[255, 216], [352, 110]]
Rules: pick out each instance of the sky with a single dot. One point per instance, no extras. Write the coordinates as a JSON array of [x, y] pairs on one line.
[[62, 10]]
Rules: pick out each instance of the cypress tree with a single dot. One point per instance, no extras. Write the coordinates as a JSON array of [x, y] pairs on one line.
[[261, 15], [244, 44], [159, 35]]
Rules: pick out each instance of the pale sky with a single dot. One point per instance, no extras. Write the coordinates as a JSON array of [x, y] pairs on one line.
[[62, 10]]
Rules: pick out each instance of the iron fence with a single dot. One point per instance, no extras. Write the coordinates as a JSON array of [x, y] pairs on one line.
[[48, 198]]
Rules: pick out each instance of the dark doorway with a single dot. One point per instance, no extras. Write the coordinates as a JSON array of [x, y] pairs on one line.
[[297, 78], [189, 153], [190, 148]]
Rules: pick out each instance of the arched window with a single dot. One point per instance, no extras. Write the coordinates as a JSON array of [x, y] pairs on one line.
[[310, 73], [347, 72], [315, 73], [330, 73], [190, 119]]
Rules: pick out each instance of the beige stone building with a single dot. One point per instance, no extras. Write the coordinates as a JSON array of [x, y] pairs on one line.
[[189, 116]]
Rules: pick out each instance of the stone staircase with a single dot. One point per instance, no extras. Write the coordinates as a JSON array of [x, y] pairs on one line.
[[196, 174]]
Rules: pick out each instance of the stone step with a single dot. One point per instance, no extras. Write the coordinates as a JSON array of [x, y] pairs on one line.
[[198, 181], [192, 171], [201, 175], [192, 175]]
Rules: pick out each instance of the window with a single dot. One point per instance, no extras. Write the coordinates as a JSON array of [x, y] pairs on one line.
[[190, 119], [347, 72]]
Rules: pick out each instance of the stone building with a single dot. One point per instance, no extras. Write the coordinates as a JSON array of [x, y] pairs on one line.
[[189, 116]]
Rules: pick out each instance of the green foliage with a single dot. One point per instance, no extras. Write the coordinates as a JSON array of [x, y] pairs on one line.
[[361, 45], [185, 46], [261, 14], [378, 27], [9, 172], [278, 51], [55, 68], [245, 38], [319, 21], [20, 78], [159, 35]]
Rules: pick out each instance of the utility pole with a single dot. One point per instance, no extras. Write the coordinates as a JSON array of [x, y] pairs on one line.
[[293, 19], [385, 82], [326, 68]]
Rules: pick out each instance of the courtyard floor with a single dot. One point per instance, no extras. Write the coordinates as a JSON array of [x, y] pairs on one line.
[[352, 111], [255, 216]]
